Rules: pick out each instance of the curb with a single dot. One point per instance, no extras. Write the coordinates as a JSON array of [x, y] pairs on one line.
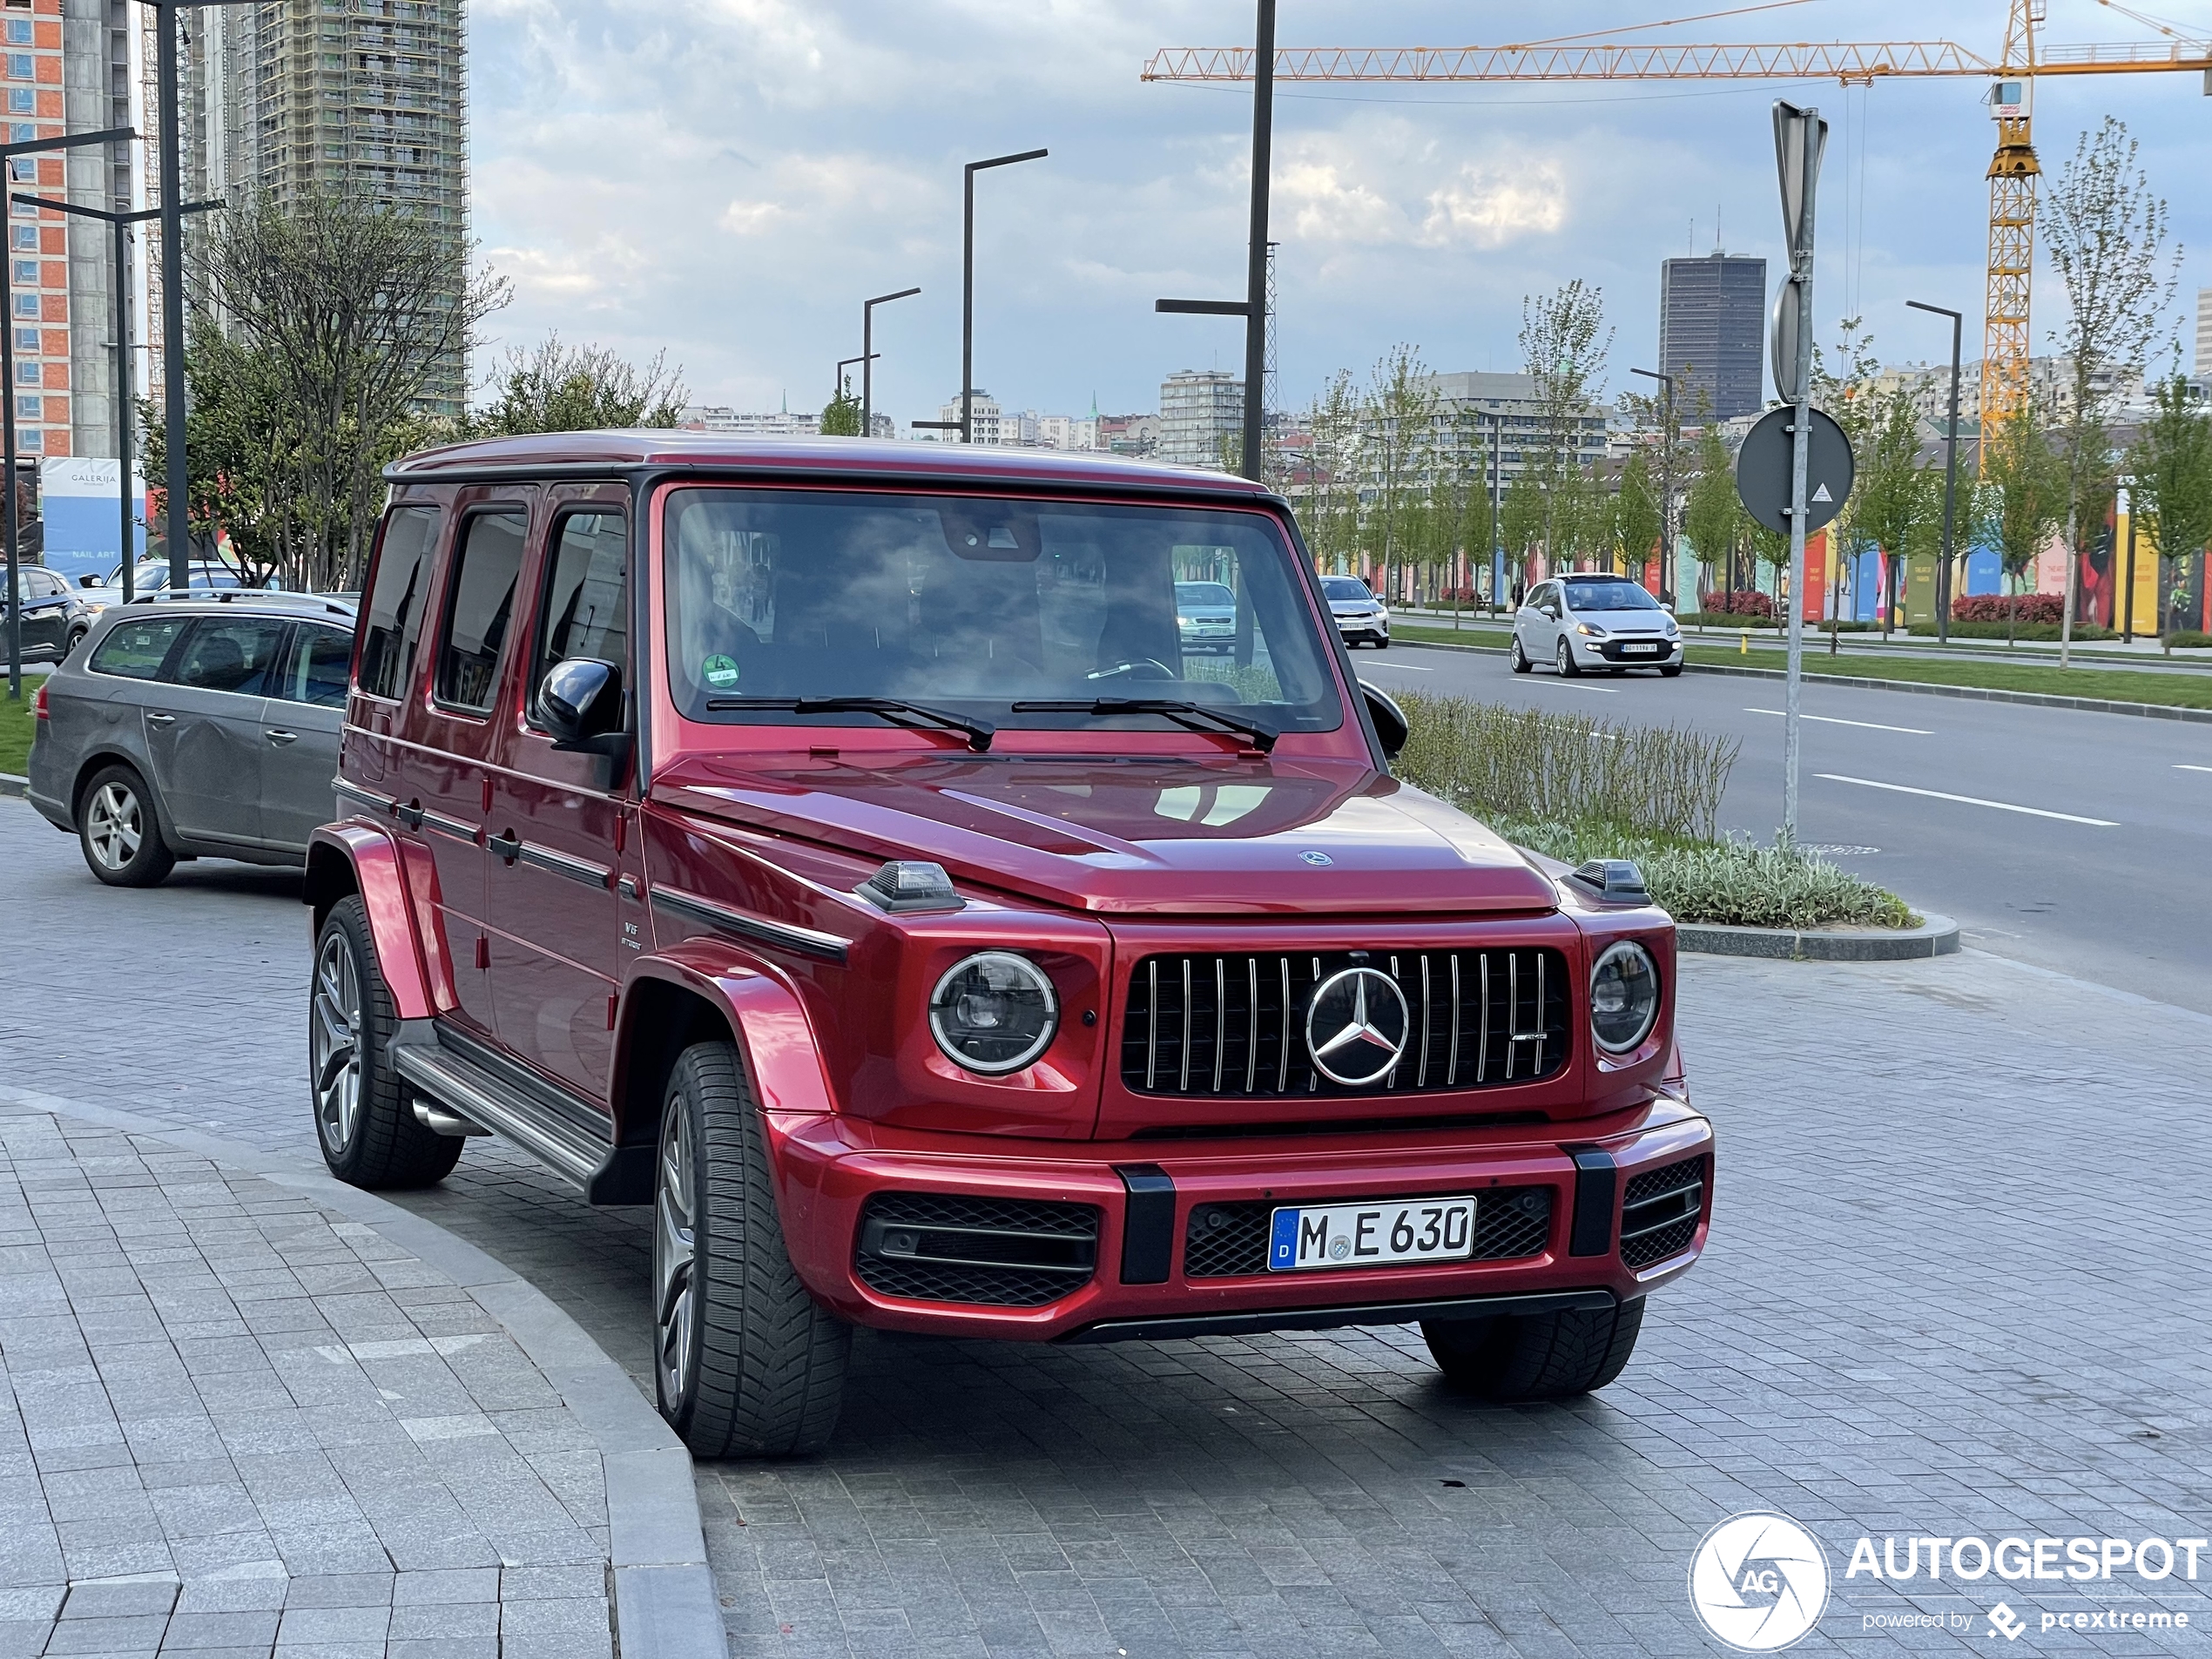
[[1936, 936], [11, 785], [663, 1597], [1867, 682]]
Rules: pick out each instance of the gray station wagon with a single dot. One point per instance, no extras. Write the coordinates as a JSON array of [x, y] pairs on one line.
[[201, 726]]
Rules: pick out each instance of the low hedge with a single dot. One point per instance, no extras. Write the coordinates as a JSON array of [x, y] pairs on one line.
[[2002, 607], [2037, 630], [2187, 639], [1727, 883], [1739, 602]]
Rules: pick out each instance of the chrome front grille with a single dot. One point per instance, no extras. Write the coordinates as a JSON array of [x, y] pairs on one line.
[[1234, 1025]]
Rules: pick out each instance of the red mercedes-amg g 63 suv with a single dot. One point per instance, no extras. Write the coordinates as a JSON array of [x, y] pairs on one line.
[[844, 848]]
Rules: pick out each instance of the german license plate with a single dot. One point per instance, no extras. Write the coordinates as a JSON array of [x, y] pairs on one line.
[[1626, 649], [1371, 1235]]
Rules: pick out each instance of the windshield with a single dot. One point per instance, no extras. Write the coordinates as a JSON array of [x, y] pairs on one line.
[[972, 604], [1345, 587], [1200, 595], [153, 575], [1618, 594]]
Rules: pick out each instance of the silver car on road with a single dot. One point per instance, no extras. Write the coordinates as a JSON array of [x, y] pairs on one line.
[[204, 725], [1579, 625]]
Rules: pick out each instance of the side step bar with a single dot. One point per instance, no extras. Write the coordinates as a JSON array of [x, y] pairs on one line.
[[462, 1088]]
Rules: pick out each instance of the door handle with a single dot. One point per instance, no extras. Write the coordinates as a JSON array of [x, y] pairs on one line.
[[161, 719], [279, 736]]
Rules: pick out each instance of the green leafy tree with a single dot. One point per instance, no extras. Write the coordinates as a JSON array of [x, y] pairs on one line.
[[1521, 523], [1636, 514], [1712, 517], [2022, 500], [1895, 506], [842, 414], [2107, 234], [1331, 519], [2171, 462], [1398, 453], [1564, 343], [554, 387]]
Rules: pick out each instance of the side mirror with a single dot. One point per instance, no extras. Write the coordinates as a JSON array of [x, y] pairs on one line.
[[1390, 720], [1667, 605], [88, 582], [580, 699]]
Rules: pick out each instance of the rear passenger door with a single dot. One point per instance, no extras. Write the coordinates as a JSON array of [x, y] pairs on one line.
[[301, 725], [560, 823], [204, 726]]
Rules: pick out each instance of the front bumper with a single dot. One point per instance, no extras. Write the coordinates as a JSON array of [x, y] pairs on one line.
[[1616, 650], [1157, 1262], [1364, 627]]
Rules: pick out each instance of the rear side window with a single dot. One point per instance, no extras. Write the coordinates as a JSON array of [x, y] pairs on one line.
[[480, 609], [316, 670], [137, 650], [234, 654], [392, 621], [584, 612]]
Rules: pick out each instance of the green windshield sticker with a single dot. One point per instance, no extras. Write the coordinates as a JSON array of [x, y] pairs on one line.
[[719, 671]]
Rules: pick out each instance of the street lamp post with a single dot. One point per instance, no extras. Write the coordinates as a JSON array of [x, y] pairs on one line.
[[1950, 478], [120, 223], [1666, 486], [967, 282], [8, 153], [177, 479], [867, 356]]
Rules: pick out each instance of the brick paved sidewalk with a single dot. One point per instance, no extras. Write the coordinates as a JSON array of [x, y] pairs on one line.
[[233, 1422]]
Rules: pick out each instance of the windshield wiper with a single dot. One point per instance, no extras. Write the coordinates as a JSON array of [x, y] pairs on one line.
[[1195, 716], [914, 717]]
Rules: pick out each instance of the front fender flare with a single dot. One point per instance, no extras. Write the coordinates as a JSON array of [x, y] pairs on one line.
[[373, 858]]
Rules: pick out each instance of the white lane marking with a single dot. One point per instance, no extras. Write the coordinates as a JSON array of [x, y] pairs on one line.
[[1829, 719], [2184, 765], [1574, 685], [1408, 667], [1970, 800]]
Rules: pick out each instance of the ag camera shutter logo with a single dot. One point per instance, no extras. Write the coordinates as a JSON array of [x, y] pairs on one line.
[[1759, 1582]]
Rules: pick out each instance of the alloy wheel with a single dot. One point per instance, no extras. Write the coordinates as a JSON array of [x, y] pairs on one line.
[[675, 1257], [333, 1040], [115, 825], [1564, 659]]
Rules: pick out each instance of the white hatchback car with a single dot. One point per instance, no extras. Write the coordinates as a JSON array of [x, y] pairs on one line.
[[1359, 615], [1581, 624]]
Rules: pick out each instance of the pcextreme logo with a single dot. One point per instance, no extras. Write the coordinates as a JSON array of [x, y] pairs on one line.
[[1759, 1582]]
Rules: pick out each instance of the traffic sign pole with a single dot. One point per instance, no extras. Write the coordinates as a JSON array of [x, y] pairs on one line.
[[1799, 138]]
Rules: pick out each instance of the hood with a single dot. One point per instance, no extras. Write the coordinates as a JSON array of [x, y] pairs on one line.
[[1134, 837]]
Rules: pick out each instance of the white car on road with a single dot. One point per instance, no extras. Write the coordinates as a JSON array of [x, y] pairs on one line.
[[1359, 614], [1581, 624]]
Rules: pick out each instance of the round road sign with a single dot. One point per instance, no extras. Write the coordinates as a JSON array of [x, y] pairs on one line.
[[1762, 471]]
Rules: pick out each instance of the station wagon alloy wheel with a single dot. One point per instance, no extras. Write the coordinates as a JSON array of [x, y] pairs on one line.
[[334, 1041], [675, 1259], [114, 825]]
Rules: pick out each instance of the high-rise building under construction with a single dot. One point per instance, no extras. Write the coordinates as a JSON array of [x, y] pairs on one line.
[[1712, 332], [292, 98]]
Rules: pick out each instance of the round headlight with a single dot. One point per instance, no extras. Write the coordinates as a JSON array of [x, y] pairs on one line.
[[994, 1013], [1624, 996]]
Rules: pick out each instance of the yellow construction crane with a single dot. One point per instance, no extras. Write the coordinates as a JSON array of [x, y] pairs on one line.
[[2012, 75]]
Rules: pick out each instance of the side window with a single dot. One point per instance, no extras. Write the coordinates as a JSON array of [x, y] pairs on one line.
[[316, 673], [583, 612], [235, 654], [137, 650], [479, 608], [392, 621]]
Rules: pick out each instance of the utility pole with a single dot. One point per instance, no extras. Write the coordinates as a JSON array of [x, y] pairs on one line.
[[968, 283], [1950, 477], [1800, 135], [1256, 261]]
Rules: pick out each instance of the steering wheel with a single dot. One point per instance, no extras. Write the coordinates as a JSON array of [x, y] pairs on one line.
[[1142, 668]]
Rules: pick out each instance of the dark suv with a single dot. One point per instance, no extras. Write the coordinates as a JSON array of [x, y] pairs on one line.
[[844, 848]]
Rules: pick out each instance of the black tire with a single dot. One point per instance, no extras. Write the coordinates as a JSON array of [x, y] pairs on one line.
[[365, 1118], [1563, 659], [745, 1363], [76, 638], [1520, 658], [1670, 671], [119, 830], [1538, 1356], [1383, 644]]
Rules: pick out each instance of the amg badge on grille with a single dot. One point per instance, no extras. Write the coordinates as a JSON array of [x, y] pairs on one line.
[[1356, 1026]]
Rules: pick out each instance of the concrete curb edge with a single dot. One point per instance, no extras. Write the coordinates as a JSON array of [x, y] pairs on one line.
[[1867, 682], [1935, 936], [663, 1597], [11, 785]]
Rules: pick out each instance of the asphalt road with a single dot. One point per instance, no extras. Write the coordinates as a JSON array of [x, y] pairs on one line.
[[2084, 843]]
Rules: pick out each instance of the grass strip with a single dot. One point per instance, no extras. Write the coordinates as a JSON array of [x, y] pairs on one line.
[[15, 728]]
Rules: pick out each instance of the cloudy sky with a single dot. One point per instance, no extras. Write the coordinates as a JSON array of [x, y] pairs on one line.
[[728, 179]]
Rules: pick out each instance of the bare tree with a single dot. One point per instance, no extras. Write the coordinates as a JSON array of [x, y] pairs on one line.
[[1331, 493], [1564, 343], [555, 387], [1398, 422], [2107, 234], [348, 312]]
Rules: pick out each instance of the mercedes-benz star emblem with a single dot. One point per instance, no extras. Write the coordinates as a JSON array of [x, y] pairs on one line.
[[1356, 1026]]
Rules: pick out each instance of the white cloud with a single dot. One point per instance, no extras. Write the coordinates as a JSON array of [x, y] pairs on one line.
[[1493, 203]]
